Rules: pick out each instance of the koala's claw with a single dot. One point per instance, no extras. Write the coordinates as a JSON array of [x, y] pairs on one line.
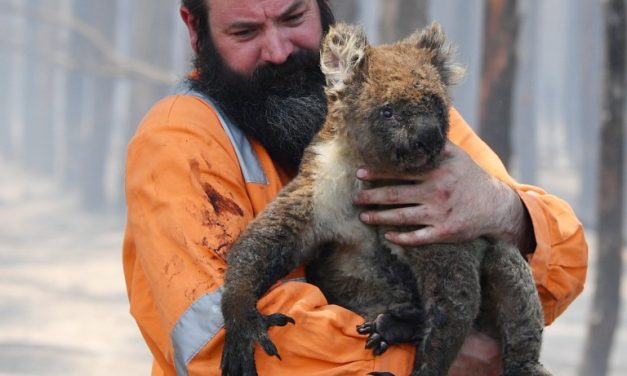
[[239, 344], [375, 340], [269, 347], [365, 328], [275, 319], [399, 326], [278, 319], [377, 343]]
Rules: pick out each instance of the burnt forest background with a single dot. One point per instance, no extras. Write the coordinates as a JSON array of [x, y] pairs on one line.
[[545, 87]]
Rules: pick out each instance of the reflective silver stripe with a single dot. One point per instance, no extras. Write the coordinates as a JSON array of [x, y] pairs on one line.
[[248, 161], [197, 326]]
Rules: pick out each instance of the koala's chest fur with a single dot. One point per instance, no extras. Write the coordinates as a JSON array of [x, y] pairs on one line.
[[334, 186], [353, 267]]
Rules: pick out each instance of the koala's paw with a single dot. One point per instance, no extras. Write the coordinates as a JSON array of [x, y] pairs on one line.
[[239, 344], [399, 326], [375, 341]]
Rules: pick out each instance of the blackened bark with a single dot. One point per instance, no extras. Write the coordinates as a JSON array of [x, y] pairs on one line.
[[498, 73], [588, 109], [525, 108]]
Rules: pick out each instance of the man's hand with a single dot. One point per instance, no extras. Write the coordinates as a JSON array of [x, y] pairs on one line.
[[480, 356], [456, 202]]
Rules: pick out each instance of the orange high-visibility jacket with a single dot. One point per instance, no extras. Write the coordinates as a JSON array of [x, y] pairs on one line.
[[193, 182]]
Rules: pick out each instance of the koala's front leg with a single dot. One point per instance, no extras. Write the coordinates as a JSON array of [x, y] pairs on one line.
[[277, 241]]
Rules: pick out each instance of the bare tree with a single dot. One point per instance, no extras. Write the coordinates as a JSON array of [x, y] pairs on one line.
[[95, 124], [525, 111], [498, 73], [603, 318], [590, 36], [59, 98], [38, 85], [15, 85], [399, 18], [120, 110]]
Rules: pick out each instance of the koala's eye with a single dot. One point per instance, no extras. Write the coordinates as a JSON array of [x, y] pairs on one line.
[[387, 112]]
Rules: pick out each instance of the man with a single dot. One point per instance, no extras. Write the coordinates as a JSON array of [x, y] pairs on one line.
[[204, 162]]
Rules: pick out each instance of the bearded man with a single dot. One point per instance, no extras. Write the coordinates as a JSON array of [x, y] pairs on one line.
[[208, 159]]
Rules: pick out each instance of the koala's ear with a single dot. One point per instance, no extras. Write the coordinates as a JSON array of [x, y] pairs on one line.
[[343, 56], [433, 39]]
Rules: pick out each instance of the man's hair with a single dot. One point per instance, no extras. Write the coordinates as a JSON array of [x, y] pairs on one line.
[[200, 10]]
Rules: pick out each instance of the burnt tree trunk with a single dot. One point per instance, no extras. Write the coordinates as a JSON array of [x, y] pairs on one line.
[[37, 118], [498, 72], [60, 105], [525, 108], [13, 132], [95, 124], [603, 318], [399, 18], [588, 108]]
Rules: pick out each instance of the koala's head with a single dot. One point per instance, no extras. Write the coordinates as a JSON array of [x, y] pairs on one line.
[[392, 100]]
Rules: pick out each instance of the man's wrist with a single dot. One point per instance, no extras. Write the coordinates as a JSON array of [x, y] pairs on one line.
[[514, 221]]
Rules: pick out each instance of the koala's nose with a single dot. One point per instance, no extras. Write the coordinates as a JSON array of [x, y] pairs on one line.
[[429, 136], [276, 47]]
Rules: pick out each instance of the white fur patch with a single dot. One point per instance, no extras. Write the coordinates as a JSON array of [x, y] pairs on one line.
[[334, 187]]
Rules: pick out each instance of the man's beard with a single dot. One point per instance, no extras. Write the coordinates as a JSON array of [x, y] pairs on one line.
[[281, 106]]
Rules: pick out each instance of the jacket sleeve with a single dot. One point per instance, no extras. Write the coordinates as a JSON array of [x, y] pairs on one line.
[[560, 260], [186, 205]]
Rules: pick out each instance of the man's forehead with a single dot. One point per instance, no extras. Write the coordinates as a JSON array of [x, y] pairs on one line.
[[254, 8]]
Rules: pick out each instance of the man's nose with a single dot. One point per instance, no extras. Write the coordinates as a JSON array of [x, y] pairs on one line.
[[276, 48]]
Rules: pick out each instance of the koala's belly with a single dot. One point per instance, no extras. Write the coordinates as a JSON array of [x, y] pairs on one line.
[[363, 282]]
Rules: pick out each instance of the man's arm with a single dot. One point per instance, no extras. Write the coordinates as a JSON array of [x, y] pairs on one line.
[[186, 205]]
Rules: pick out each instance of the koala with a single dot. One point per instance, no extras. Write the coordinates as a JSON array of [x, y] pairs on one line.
[[387, 109]]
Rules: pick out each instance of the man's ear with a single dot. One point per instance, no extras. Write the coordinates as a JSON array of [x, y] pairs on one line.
[[343, 56], [433, 39], [192, 26]]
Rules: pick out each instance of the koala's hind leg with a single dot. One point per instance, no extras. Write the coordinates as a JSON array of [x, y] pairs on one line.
[[512, 299], [449, 275]]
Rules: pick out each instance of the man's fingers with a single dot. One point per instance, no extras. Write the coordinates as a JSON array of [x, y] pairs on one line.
[[388, 195], [480, 355], [481, 346], [425, 235], [407, 216]]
